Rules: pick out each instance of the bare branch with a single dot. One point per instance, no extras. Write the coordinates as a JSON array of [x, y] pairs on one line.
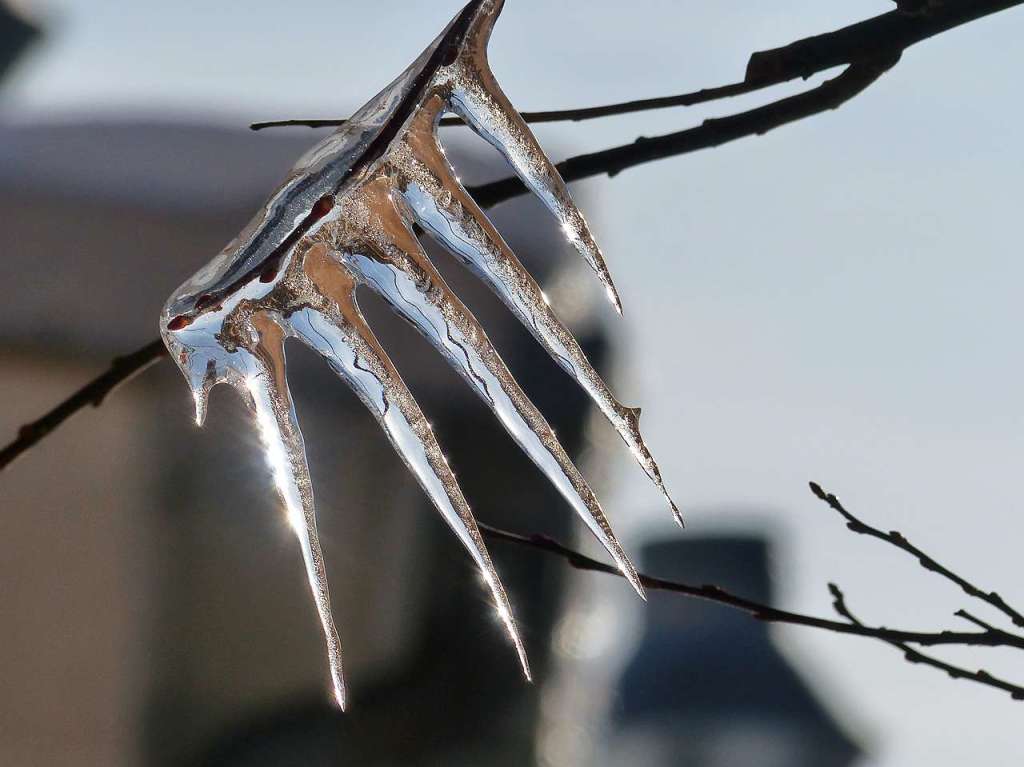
[[988, 638], [916, 656], [830, 94], [880, 37], [896, 539], [93, 393], [562, 115]]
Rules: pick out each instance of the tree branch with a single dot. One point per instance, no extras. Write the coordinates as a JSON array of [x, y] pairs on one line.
[[831, 94], [562, 115], [895, 538], [916, 656], [989, 636], [879, 37], [93, 393]]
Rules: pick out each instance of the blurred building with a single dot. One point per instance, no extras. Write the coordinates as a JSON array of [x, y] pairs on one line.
[[706, 685], [683, 682]]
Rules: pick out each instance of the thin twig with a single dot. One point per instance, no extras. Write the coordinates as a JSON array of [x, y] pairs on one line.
[[988, 638], [972, 619], [93, 393], [916, 656], [876, 38], [896, 539], [560, 115], [830, 94]]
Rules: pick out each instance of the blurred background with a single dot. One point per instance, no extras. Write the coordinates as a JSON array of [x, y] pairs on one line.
[[836, 301]]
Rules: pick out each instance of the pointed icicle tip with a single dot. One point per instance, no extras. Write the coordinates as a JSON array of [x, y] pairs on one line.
[[517, 640], [677, 515], [201, 397], [632, 415], [613, 296], [631, 575], [339, 696]]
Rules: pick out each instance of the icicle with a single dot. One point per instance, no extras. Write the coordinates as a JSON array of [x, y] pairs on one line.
[[442, 206], [342, 217], [476, 97], [268, 392], [388, 257], [340, 334]]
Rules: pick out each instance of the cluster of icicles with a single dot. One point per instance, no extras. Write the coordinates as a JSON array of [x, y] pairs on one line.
[[342, 219]]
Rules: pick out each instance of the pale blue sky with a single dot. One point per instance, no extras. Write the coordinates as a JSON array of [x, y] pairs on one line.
[[836, 301]]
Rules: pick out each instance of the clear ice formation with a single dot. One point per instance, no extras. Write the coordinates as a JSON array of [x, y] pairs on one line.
[[343, 219]]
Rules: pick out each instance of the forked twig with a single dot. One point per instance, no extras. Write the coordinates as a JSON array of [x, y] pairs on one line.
[[911, 655], [989, 636], [895, 538]]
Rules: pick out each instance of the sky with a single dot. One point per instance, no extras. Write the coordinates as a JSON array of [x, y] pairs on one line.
[[836, 301]]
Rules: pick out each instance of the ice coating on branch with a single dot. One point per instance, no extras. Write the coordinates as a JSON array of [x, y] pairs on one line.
[[343, 219]]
